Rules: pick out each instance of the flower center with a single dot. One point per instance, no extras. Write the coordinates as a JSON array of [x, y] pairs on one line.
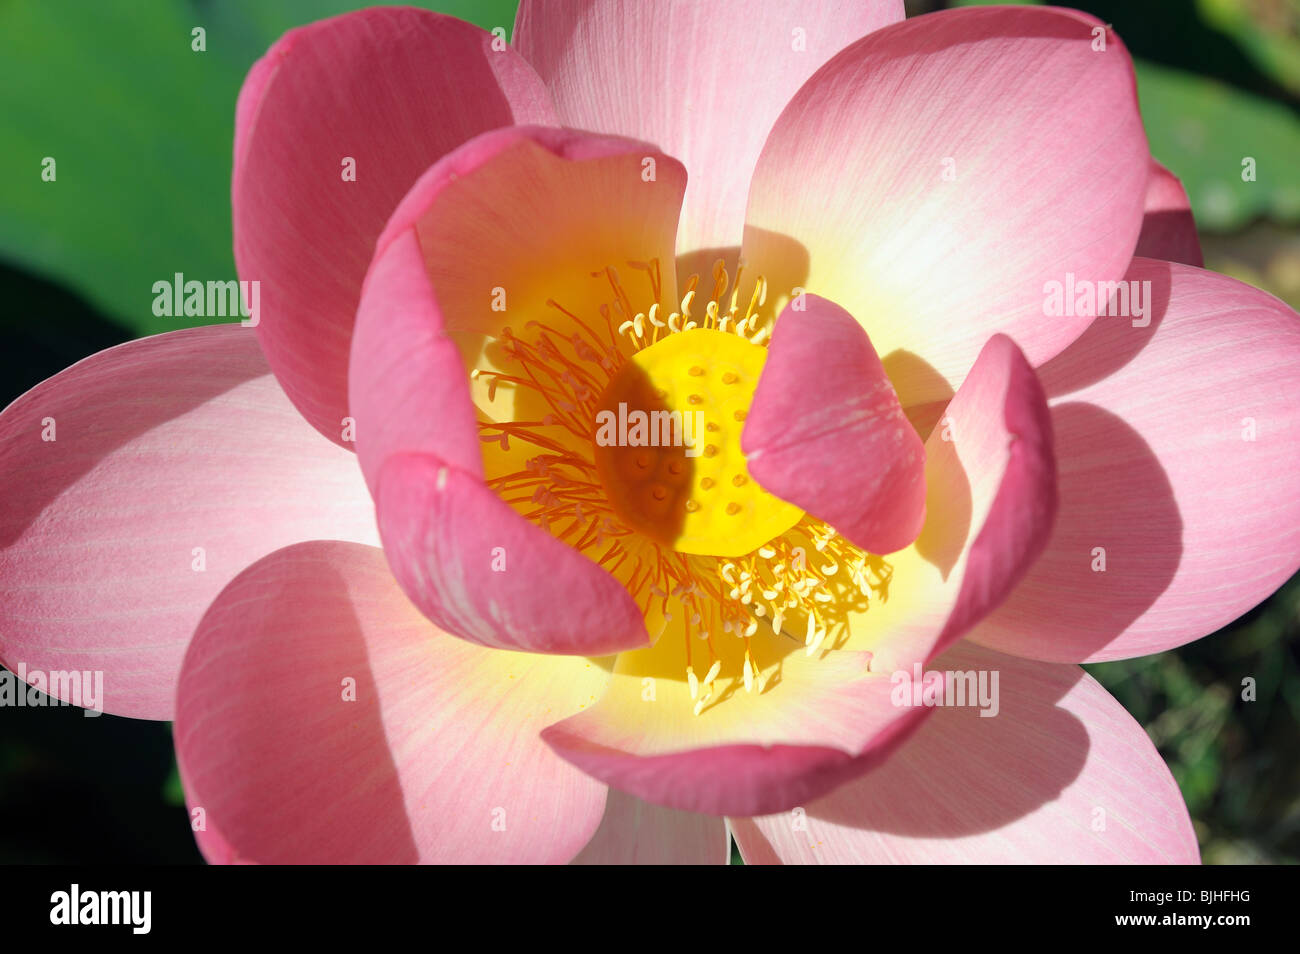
[[667, 446], [633, 458]]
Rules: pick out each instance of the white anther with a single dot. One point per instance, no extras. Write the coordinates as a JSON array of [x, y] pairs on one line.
[[687, 301]]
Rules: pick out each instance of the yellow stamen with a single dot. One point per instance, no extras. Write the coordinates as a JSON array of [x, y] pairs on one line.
[[692, 537]]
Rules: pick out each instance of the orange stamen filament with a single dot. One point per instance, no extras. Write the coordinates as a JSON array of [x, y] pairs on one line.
[[807, 576]]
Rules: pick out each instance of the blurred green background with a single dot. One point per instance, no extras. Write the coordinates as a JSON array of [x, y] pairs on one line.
[[141, 126]]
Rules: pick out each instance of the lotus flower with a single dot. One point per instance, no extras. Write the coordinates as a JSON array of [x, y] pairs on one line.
[[477, 632]]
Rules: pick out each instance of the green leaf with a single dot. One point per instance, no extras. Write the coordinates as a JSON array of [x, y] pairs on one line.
[[1205, 131], [1260, 30], [140, 127]]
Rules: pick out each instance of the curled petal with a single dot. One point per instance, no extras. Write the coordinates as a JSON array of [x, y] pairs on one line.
[[484, 573], [825, 431]]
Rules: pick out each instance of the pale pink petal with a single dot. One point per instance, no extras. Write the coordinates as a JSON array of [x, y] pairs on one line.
[[634, 832], [1060, 775], [935, 176], [321, 719], [175, 461], [390, 90], [484, 573], [1178, 445], [1168, 228], [704, 81], [212, 844], [990, 499], [818, 722], [825, 430]]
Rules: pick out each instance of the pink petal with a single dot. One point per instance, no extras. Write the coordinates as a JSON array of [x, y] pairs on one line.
[[1179, 450], [825, 430], [703, 81], [212, 844], [484, 573], [824, 721], [1061, 775], [990, 499], [1168, 228], [436, 759], [404, 359], [163, 446], [634, 832], [1042, 141], [531, 211], [392, 89]]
